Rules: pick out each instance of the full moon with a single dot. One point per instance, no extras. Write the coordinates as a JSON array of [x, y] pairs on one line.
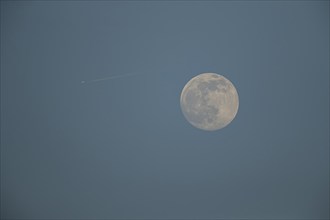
[[209, 101]]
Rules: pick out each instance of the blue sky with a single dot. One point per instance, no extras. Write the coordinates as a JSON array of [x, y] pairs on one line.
[[121, 148]]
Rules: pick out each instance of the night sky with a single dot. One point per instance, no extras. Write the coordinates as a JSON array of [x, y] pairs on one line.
[[121, 148]]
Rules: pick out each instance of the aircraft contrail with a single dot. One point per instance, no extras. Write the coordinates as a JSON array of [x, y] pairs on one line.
[[110, 77]]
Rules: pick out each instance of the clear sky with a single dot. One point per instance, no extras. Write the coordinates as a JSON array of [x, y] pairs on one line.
[[121, 148]]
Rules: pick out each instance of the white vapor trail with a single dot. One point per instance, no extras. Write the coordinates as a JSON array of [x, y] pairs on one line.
[[110, 77]]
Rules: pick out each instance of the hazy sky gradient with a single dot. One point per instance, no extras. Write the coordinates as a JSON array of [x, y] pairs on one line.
[[121, 148]]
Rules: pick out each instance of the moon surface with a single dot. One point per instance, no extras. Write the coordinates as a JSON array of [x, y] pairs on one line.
[[209, 101]]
